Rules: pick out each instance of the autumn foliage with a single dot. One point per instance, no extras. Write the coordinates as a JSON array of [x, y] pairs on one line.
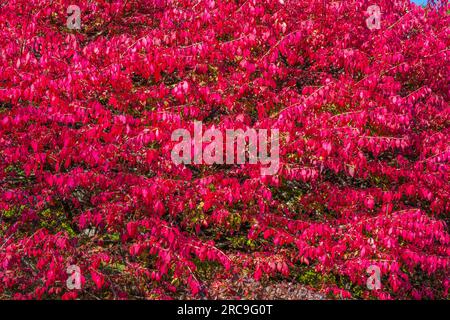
[[86, 176]]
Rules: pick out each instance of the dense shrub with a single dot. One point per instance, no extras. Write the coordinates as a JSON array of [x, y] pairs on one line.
[[86, 176]]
